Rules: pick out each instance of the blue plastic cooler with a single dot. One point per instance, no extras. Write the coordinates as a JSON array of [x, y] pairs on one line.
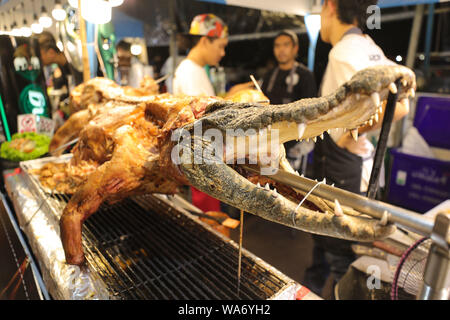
[[419, 183]]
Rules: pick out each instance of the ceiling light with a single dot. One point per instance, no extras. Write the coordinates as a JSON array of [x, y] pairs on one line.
[[26, 30], [136, 49], [96, 11], [45, 20], [36, 27], [58, 13]]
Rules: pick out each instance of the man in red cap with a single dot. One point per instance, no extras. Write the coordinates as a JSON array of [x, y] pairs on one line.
[[209, 35]]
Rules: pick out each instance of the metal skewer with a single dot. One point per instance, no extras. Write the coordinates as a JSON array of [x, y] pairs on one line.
[[66, 145], [240, 251], [258, 88], [163, 78], [377, 209]]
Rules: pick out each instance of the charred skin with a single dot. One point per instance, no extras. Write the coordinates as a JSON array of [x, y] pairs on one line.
[[131, 169]]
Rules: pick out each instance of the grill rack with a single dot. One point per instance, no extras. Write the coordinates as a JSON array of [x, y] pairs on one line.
[[162, 252]]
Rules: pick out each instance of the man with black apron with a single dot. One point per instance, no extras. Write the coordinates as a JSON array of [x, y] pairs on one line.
[[338, 157], [289, 81]]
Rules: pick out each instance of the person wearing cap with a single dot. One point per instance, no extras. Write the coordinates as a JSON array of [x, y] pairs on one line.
[[289, 81], [338, 157], [210, 37]]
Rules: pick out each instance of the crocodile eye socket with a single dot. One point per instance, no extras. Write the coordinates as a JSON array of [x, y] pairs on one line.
[[20, 64], [35, 63]]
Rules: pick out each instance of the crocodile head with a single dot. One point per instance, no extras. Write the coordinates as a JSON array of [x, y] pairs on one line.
[[212, 150]]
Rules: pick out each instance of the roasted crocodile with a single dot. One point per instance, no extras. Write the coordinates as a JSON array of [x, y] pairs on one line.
[[163, 142]]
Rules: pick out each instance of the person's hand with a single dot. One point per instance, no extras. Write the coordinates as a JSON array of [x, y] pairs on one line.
[[359, 147]]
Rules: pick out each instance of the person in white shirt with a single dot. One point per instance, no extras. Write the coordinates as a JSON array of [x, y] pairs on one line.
[[210, 36], [339, 158]]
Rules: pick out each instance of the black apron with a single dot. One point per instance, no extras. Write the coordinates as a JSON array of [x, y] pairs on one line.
[[337, 165]]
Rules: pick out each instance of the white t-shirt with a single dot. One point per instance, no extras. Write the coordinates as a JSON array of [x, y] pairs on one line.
[[167, 69], [191, 79], [351, 54]]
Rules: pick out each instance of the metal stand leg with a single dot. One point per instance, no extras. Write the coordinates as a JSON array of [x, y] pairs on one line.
[[436, 269]]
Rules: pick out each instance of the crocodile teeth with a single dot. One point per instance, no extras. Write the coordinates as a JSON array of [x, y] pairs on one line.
[[370, 122], [275, 193], [321, 136], [393, 88], [296, 172], [258, 185], [380, 109], [412, 92], [375, 98], [301, 129], [354, 133], [405, 102], [267, 186], [329, 131], [315, 139], [384, 218], [338, 209], [376, 117]]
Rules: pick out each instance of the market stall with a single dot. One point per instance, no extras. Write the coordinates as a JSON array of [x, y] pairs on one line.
[[99, 195]]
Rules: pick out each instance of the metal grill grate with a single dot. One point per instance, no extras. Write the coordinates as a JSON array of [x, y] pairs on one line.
[[143, 248]]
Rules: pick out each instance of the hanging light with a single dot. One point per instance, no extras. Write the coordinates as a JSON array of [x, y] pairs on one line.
[[36, 27], [45, 21], [96, 11], [73, 3], [4, 27], [60, 46], [115, 3], [58, 13], [15, 31], [136, 49], [25, 30]]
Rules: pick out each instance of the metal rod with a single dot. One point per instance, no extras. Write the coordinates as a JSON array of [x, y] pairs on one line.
[[415, 35], [382, 143], [428, 39], [408, 219], [36, 273], [436, 269], [241, 230]]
